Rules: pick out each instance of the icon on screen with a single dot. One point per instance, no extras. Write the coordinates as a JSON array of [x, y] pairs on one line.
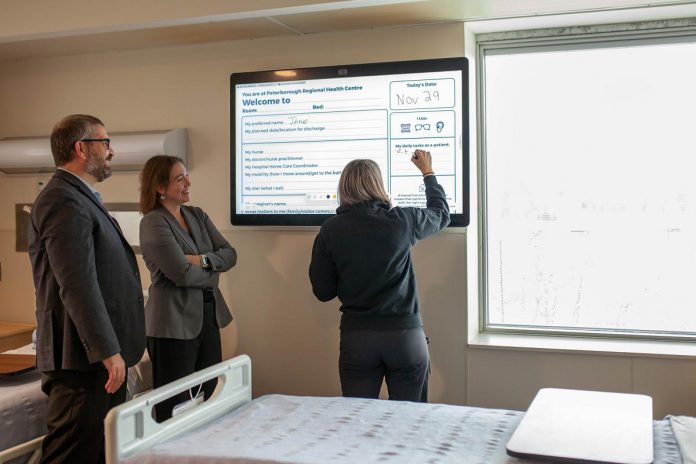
[[405, 128], [439, 126]]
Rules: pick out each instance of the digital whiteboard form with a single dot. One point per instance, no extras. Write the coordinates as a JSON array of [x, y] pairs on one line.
[[293, 131]]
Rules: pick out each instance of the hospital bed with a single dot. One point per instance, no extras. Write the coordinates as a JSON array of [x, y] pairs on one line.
[[23, 409], [23, 405], [273, 429]]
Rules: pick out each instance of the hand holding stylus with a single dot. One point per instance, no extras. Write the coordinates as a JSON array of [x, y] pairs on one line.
[[423, 161]]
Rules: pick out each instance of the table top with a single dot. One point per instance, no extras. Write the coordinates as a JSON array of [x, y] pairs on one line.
[[8, 329], [12, 364], [14, 334]]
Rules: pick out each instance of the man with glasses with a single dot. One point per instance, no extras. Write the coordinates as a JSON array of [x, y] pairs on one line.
[[89, 300]]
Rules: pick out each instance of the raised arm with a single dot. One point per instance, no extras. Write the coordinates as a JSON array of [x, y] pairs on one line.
[[435, 216]]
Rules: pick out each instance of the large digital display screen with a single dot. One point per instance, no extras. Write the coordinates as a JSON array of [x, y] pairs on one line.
[[293, 131]]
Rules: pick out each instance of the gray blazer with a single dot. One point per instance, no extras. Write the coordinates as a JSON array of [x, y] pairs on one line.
[[89, 301], [175, 304]]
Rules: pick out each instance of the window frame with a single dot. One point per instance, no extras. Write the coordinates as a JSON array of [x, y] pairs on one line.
[[545, 39]]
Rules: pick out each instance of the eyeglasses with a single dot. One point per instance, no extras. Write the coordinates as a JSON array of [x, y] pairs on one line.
[[106, 142], [422, 127]]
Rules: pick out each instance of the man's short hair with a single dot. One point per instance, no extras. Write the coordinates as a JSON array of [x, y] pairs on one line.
[[69, 130]]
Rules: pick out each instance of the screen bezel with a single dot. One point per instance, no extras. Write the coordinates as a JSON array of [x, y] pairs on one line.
[[329, 72]]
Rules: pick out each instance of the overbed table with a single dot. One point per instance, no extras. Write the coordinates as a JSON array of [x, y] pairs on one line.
[[13, 364], [14, 335]]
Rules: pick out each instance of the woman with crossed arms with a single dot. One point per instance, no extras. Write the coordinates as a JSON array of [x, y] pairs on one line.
[[185, 254]]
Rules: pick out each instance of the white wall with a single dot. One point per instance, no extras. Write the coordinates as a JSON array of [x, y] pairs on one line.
[[291, 338]]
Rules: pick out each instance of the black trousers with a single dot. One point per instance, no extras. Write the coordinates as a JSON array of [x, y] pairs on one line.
[[77, 406], [173, 359], [400, 357]]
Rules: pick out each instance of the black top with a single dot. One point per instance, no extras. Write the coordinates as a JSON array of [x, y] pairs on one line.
[[363, 256]]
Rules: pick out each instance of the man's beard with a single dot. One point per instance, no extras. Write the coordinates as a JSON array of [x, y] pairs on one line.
[[97, 167]]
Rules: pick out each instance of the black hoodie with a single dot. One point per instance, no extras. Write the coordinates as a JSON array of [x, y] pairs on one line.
[[363, 256]]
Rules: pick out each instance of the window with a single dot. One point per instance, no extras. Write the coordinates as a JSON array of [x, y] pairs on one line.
[[588, 181]]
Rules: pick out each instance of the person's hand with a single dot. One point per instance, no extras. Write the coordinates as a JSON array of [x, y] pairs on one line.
[[193, 259], [116, 368], [423, 161]]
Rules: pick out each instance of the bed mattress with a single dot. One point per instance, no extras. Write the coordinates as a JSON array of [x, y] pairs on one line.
[[310, 430], [23, 409]]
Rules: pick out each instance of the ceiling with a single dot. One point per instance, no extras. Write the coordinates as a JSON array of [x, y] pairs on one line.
[[32, 29]]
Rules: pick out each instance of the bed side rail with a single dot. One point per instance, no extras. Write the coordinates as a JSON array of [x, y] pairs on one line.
[[130, 428], [33, 447]]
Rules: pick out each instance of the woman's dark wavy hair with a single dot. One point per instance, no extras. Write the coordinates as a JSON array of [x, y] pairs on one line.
[[155, 174]]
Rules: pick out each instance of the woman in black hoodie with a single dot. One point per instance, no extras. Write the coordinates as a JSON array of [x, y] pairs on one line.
[[363, 256]]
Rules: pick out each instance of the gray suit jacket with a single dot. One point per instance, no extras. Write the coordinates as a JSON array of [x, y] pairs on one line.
[[175, 303], [89, 301]]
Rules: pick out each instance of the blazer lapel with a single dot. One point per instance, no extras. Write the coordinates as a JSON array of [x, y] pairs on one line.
[[194, 225], [176, 227]]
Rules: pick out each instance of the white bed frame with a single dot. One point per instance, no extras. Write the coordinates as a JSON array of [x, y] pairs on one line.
[[32, 447], [130, 428]]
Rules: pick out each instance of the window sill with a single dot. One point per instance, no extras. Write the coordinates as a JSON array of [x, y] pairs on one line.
[[615, 347]]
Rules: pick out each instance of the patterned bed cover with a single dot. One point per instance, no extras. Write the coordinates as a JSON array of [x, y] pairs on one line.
[[22, 409], [310, 430]]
